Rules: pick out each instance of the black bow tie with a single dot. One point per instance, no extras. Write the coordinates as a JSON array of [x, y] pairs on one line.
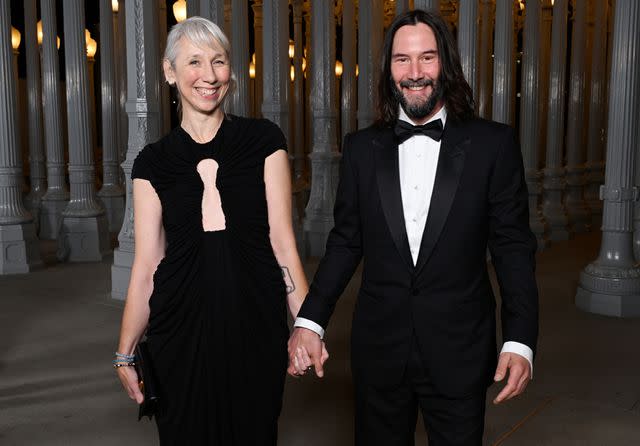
[[404, 130]]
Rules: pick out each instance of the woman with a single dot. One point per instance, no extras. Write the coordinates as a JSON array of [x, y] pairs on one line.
[[215, 260]]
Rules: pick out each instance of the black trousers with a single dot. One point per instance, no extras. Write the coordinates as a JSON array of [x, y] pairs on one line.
[[387, 417]]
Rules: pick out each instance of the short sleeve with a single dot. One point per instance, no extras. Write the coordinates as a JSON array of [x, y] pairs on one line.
[[141, 166], [273, 138]]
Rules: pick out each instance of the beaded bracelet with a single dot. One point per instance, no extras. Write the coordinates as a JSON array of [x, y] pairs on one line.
[[127, 357], [117, 365], [123, 360]]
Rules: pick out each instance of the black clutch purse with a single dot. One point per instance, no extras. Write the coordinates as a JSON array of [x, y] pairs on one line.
[[147, 381]]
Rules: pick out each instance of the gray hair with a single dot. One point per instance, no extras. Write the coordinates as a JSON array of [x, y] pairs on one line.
[[203, 33]]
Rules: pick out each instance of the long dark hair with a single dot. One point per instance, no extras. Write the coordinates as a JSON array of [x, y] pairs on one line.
[[457, 94]]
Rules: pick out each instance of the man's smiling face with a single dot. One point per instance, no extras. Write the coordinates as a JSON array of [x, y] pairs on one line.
[[415, 70]]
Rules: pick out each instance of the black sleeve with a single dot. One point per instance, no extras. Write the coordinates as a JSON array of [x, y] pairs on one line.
[[141, 165], [513, 245], [344, 247], [273, 138]]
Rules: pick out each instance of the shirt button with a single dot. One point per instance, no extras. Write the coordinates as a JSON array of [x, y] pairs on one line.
[[415, 187], [414, 219]]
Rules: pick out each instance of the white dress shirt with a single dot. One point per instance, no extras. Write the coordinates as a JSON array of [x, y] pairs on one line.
[[418, 160]]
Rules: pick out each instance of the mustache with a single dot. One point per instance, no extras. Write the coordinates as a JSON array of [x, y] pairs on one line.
[[417, 83]]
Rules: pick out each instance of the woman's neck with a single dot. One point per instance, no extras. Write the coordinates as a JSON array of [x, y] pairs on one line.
[[202, 128]]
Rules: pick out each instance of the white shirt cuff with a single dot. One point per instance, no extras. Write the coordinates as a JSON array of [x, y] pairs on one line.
[[309, 325], [520, 349]]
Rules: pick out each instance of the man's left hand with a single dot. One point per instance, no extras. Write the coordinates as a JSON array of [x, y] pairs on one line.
[[519, 375]]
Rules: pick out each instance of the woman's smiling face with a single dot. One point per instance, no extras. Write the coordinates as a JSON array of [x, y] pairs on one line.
[[201, 74]]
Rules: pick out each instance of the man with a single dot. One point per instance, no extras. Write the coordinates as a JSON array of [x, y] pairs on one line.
[[420, 206]]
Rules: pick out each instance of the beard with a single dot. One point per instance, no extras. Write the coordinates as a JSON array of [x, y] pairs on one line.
[[419, 109]]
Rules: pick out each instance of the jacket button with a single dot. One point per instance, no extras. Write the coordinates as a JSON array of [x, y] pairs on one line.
[[415, 292]]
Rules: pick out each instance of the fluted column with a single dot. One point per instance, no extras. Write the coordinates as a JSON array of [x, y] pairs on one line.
[[227, 18], [18, 243], [427, 5], [143, 112], [37, 167], [529, 115], [554, 181], [324, 157], [577, 210], [369, 42], [275, 105], [587, 87], [213, 10], [259, 42], [349, 87], [111, 193], [468, 42], [165, 89], [298, 142], [401, 6], [120, 34], [503, 64], [92, 110], [240, 56], [306, 15], [543, 73], [85, 229], [596, 128], [55, 199], [193, 8], [610, 285], [485, 63]]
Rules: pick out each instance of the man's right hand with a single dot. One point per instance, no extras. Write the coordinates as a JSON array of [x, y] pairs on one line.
[[306, 349]]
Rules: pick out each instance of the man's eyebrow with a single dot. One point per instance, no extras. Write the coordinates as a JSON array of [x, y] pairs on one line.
[[430, 52]]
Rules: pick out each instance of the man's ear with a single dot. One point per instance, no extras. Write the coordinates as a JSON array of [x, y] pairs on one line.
[[169, 75]]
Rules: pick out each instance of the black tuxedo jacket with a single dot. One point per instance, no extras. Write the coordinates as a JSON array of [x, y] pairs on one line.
[[446, 301]]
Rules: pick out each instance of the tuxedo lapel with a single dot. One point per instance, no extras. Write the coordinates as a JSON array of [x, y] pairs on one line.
[[450, 166], [388, 177]]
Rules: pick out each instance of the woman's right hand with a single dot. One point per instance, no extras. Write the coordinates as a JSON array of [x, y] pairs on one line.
[[129, 379]]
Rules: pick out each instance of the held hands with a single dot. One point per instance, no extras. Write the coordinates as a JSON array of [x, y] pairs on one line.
[[306, 350], [519, 375], [129, 379]]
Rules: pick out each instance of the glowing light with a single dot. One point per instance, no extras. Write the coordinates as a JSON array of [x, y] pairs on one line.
[[92, 45], [292, 49], [292, 73], [339, 68], [180, 10], [252, 70], [39, 31], [114, 5], [16, 37]]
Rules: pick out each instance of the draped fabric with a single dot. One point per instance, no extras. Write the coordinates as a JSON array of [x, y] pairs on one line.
[[217, 325]]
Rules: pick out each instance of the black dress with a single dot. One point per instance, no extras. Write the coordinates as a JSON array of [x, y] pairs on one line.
[[217, 326]]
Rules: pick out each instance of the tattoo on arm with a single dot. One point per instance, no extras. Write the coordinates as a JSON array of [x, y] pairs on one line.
[[288, 280]]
